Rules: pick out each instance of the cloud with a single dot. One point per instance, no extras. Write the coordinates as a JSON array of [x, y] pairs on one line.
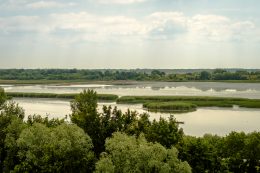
[[19, 24], [34, 4], [218, 28], [82, 26], [166, 25], [94, 28], [48, 4], [122, 2]]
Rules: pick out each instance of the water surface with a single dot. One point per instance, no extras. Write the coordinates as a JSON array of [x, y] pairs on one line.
[[245, 90], [219, 121]]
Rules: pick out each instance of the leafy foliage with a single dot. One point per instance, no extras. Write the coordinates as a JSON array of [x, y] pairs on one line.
[[128, 154], [65, 148], [9, 113], [144, 75], [102, 125], [128, 142]]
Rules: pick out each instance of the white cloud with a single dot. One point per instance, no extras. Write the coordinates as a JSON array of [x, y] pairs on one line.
[[48, 4], [90, 27], [218, 28], [166, 25], [83, 26], [34, 4], [19, 24], [119, 1]]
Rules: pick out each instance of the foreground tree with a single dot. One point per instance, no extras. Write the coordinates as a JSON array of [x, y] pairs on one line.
[[86, 116], [3, 97], [130, 154], [10, 115], [65, 148], [201, 155], [242, 152], [166, 132], [100, 126]]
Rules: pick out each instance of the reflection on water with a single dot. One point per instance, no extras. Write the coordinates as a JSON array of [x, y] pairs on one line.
[[204, 120], [246, 90]]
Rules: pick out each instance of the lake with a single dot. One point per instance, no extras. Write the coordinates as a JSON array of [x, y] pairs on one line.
[[219, 121], [245, 90]]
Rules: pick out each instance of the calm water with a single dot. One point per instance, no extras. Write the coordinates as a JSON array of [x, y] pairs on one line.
[[219, 121], [204, 120], [246, 90]]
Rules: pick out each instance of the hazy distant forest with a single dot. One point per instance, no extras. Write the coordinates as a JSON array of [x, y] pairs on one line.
[[112, 141], [139, 75]]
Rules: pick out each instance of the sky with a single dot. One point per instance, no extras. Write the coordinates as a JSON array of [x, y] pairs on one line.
[[126, 34]]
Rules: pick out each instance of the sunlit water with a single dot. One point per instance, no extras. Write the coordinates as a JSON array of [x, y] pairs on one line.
[[219, 121], [245, 90]]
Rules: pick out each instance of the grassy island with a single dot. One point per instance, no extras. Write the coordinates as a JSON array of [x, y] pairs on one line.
[[101, 97], [157, 103], [177, 107], [166, 102]]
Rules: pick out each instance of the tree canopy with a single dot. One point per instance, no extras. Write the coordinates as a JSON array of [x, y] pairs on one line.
[[125, 154]]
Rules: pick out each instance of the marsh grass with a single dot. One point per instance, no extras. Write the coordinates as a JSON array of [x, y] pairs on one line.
[[199, 101], [176, 107], [101, 97]]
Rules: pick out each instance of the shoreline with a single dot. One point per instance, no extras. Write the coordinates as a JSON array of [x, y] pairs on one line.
[[199, 101], [112, 82]]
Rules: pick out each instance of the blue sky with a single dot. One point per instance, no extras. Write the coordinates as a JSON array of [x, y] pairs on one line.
[[130, 33]]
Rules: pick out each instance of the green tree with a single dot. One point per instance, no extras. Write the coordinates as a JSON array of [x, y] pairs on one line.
[[100, 126], [242, 151], [65, 148], [13, 132], [126, 154], [85, 115], [165, 132], [10, 111], [204, 75], [201, 154], [3, 97], [31, 119], [252, 152]]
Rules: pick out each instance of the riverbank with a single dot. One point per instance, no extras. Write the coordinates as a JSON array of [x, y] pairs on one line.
[[101, 97], [165, 103], [110, 82], [66, 82]]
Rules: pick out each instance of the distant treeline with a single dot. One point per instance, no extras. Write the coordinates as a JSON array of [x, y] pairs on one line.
[[138, 75]]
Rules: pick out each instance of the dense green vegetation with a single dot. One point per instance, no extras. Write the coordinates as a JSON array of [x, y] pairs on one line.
[[170, 106], [157, 102], [113, 142], [100, 97], [56, 75], [130, 154]]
